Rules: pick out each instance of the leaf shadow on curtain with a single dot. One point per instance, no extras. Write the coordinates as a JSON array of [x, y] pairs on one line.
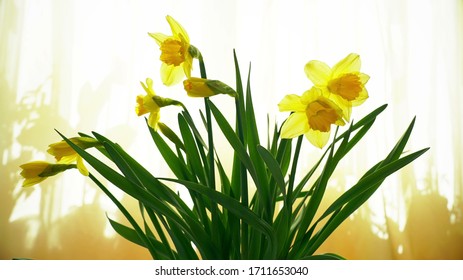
[[79, 234]]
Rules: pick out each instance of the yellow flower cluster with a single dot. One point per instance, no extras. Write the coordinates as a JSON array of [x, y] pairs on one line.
[[336, 90], [177, 62]]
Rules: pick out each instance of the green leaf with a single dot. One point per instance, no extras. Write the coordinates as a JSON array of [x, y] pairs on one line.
[[170, 134], [327, 256], [363, 190], [160, 231], [236, 144], [131, 235], [282, 226], [145, 178], [316, 198], [253, 142], [190, 226], [235, 207], [193, 157], [177, 166], [140, 234], [273, 167]]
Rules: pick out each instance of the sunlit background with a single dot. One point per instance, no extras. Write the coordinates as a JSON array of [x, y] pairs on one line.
[[76, 66]]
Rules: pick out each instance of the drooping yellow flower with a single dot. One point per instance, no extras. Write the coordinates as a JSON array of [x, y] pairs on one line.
[[344, 82], [175, 53], [313, 114], [146, 104], [65, 154], [36, 171], [152, 103], [199, 87]]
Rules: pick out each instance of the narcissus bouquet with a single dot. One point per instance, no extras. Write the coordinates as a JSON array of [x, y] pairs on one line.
[[265, 206]]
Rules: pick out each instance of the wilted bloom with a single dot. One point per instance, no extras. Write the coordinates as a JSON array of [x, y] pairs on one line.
[[36, 171], [199, 87], [344, 82], [313, 114], [151, 103], [175, 53]]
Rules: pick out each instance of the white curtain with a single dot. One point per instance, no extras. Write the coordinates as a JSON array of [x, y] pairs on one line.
[[76, 66]]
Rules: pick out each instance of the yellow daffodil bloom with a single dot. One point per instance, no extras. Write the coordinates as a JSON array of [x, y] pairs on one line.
[[344, 82], [313, 114], [36, 171], [175, 53], [152, 103], [146, 104], [65, 154], [199, 87], [62, 150]]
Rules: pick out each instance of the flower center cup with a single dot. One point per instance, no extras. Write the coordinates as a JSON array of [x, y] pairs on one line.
[[321, 115], [172, 52], [140, 109], [348, 86]]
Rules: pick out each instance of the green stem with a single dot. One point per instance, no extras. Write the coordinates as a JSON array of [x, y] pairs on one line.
[[216, 232], [288, 203], [202, 67], [210, 137], [292, 175], [127, 215], [243, 179]]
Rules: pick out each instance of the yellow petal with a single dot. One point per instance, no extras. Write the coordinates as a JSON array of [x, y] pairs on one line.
[[345, 105], [318, 72], [29, 182], [296, 124], [158, 37], [188, 65], [318, 138], [154, 119], [177, 29], [351, 63], [363, 78], [68, 159], [291, 102], [148, 87], [197, 87], [31, 170], [311, 95], [363, 95], [171, 75], [80, 165]]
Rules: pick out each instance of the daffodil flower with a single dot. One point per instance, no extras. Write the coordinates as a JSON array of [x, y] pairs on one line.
[[344, 82], [176, 57], [36, 171], [199, 87], [313, 114], [65, 154], [152, 103]]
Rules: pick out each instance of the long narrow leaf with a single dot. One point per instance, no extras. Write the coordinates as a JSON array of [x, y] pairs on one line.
[[233, 206], [131, 235], [235, 143], [354, 203], [273, 167]]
